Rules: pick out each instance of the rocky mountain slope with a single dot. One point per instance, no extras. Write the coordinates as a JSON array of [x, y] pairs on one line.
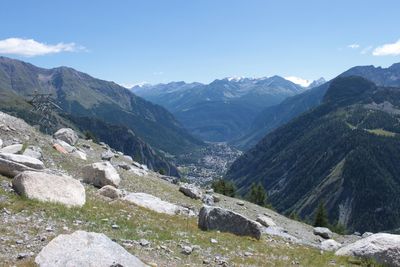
[[56, 194], [343, 153], [274, 116], [222, 110], [82, 95]]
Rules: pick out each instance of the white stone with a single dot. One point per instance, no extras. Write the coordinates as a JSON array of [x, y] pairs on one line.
[[12, 149], [33, 151], [100, 174], [13, 164], [79, 154], [330, 245], [265, 221], [50, 188], [191, 191], [67, 135], [25, 160], [383, 248], [85, 249], [1, 143], [156, 204]]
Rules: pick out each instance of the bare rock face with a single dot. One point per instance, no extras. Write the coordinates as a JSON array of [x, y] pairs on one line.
[[50, 188], [13, 164], [156, 204], [110, 192], [85, 249], [383, 248], [100, 174], [215, 218], [191, 191], [67, 135]]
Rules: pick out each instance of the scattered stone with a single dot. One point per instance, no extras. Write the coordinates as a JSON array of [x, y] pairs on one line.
[[79, 154], [67, 147], [107, 155], [248, 254], [49, 229], [50, 188], [209, 191], [191, 191], [128, 158], [240, 203], [156, 204], [216, 199], [213, 241], [115, 226], [110, 192], [67, 135], [383, 248], [22, 256], [85, 249], [12, 149], [100, 174], [330, 245], [323, 232], [24, 160], [215, 218], [124, 166], [1, 143], [144, 242], [266, 221], [187, 250], [11, 167], [208, 200], [33, 151], [357, 233]]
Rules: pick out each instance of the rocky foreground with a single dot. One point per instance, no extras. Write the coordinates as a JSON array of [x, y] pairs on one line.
[[65, 201]]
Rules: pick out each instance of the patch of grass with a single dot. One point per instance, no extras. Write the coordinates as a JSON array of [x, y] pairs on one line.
[[381, 132]]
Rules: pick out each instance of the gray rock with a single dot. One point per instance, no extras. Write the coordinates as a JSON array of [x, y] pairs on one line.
[[107, 155], [13, 164], [191, 191], [323, 232], [1, 143], [79, 154], [144, 242], [215, 218], [366, 234], [12, 149], [187, 250], [33, 151], [128, 158], [50, 188], [124, 166], [67, 135], [330, 245], [110, 192], [100, 174], [240, 203], [85, 249], [383, 248], [266, 221], [208, 200], [156, 204]]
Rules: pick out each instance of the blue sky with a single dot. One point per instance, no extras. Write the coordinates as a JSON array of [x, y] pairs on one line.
[[169, 40]]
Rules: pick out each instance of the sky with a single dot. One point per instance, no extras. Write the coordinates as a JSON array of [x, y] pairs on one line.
[[158, 41]]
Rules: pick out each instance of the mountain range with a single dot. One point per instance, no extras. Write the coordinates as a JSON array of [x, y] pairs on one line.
[[80, 95], [224, 109], [272, 117], [344, 153]]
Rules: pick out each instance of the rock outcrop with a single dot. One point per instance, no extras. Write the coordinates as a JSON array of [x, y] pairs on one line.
[[85, 249], [215, 218], [156, 204], [383, 248], [100, 174], [67, 135], [323, 232], [191, 191], [50, 188]]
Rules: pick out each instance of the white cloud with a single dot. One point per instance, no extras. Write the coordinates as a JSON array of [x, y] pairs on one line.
[[158, 73], [366, 50], [31, 48], [130, 85], [353, 46], [392, 49], [299, 81]]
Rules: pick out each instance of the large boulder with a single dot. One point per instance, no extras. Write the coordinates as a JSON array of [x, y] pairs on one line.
[[85, 249], [107, 155], [156, 204], [67, 135], [13, 164], [215, 218], [12, 149], [330, 245], [323, 232], [191, 191], [50, 188], [100, 174], [383, 248]]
